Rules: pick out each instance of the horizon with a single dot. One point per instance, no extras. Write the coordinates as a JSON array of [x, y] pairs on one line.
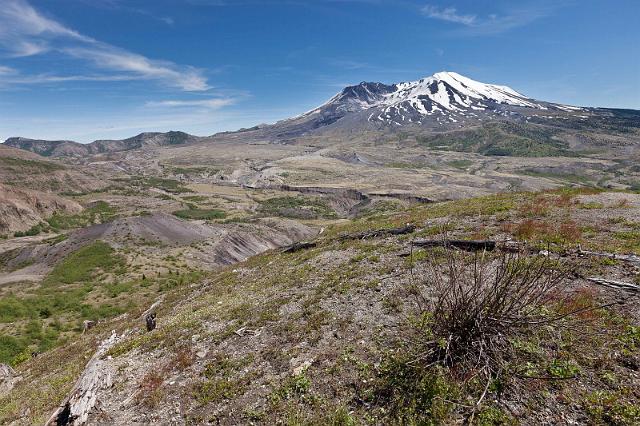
[[208, 66]]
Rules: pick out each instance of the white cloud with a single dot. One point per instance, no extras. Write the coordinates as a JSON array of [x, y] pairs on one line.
[[215, 103], [449, 14], [516, 16], [26, 32]]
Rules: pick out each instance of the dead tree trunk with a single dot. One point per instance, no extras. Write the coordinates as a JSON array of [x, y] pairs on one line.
[[299, 246], [97, 375], [615, 284], [467, 245], [632, 258], [407, 229]]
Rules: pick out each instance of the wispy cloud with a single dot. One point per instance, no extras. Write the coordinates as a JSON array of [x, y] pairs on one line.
[[212, 104], [120, 5], [26, 32], [449, 14], [494, 23]]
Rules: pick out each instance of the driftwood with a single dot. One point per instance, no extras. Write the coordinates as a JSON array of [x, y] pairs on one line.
[[624, 257], [407, 229], [96, 376], [152, 308], [615, 284], [299, 246], [467, 245]]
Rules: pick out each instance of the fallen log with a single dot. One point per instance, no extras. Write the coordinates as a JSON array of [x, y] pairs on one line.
[[620, 285], [624, 257], [466, 245], [407, 229], [299, 246], [97, 375]]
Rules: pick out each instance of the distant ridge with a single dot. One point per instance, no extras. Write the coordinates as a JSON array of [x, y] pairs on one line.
[[65, 148]]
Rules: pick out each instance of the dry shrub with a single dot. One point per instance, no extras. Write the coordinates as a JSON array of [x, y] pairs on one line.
[[530, 230], [183, 358], [565, 200], [622, 204], [569, 231], [150, 391], [537, 207], [477, 304]]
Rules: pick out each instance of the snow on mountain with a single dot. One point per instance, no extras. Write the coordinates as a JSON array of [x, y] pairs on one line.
[[445, 95]]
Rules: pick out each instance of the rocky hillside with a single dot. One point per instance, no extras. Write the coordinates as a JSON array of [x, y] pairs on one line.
[[75, 149], [342, 330], [21, 210]]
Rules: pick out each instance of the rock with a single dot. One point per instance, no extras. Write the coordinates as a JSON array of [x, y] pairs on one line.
[[302, 367], [7, 379], [6, 372]]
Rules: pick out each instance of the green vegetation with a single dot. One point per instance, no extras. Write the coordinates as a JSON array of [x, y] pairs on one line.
[[195, 198], [82, 264], [297, 207], [194, 170], [98, 212], [29, 166], [460, 164], [202, 214], [83, 286], [565, 177], [34, 230], [222, 381], [378, 332], [145, 182], [628, 241], [501, 139]]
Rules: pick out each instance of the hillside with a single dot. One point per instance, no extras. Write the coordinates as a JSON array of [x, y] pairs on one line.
[[74, 149], [441, 251], [329, 334]]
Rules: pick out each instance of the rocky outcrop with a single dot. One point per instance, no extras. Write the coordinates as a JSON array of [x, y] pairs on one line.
[[21, 209]]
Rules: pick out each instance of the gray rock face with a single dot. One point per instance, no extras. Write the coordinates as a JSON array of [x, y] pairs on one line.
[[7, 379]]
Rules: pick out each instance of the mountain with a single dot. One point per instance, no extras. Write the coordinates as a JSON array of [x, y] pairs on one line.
[[66, 148], [445, 101], [444, 98]]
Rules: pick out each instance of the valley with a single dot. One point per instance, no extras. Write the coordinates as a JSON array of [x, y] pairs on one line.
[[94, 237]]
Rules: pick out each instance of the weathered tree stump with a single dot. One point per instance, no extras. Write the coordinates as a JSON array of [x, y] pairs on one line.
[[88, 325], [150, 320]]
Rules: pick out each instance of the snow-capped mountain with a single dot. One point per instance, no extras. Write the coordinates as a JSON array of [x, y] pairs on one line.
[[446, 99]]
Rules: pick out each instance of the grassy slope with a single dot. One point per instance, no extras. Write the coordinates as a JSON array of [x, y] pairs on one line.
[[330, 315]]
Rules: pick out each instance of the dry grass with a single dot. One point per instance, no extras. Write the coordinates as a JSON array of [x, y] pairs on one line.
[[566, 231], [150, 392]]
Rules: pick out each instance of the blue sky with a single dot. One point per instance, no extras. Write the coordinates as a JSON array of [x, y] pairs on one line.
[[92, 69]]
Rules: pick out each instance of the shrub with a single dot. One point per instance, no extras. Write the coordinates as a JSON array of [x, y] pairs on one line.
[[150, 392], [195, 213], [479, 303], [80, 265], [470, 310]]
